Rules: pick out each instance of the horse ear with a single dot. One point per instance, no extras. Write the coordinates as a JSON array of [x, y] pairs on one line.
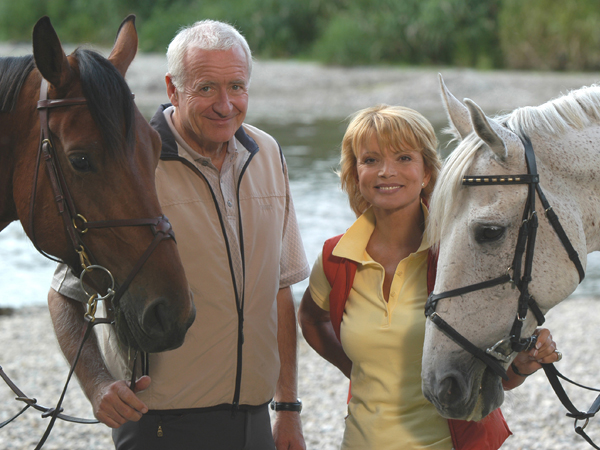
[[458, 114], [493, 134], [50, 58], [126, 44]]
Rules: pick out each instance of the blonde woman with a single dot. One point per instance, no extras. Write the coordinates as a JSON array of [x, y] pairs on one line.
[[364, 308]]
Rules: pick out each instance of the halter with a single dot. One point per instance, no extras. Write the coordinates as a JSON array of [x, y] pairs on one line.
[[76, 225], [503, 349]]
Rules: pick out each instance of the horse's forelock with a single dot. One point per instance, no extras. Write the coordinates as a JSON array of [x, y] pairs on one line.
[[443, 200], [109, 100]]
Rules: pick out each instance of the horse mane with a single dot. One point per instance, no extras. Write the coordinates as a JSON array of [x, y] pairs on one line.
[[576, 110], [110, 100], [13, 72]]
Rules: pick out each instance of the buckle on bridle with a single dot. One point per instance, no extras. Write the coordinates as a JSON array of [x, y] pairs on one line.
[[494, 350]]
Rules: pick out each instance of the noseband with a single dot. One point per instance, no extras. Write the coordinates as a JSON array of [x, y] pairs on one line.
[[502, 350]]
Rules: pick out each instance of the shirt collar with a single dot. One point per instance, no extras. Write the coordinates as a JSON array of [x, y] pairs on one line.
[[354, 242]]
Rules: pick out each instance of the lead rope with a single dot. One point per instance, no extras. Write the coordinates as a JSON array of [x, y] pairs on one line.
[[553, 376]]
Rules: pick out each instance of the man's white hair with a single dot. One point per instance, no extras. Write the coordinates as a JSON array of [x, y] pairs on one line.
[[205, 35]]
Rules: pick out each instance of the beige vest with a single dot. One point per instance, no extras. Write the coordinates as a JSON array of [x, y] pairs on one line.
[[202, 372]]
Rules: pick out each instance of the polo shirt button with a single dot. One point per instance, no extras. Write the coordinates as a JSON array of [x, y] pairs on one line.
[[229, 203], [204, 162]]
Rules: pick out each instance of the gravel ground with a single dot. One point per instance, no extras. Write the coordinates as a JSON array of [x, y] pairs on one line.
[[288, 92], [31, 357]]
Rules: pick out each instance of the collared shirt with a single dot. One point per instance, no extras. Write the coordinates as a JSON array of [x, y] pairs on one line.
[[384, 340]]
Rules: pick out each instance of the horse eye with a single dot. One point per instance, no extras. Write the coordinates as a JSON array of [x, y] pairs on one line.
[[81, 163], [489, 233]]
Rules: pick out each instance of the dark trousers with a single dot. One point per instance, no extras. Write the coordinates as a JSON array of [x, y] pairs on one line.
[[205, 430]]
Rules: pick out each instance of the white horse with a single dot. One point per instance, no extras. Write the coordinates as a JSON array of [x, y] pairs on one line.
[[477, 227]]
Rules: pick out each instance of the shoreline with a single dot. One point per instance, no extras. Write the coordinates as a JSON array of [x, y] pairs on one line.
[[293, 91]]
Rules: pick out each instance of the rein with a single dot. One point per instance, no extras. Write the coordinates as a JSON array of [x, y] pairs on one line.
[[501, 352], [76, 225]]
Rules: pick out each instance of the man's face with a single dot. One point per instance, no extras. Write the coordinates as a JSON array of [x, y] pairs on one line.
[[212, 104]]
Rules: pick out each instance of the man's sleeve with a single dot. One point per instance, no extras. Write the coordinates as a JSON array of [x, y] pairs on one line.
[[66, 283]]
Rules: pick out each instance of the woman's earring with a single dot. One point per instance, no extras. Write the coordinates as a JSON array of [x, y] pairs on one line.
[[423, 184]]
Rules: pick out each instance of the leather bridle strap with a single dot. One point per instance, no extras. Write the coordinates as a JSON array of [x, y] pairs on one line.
[[55, 412], [46, 150], [553, 376]]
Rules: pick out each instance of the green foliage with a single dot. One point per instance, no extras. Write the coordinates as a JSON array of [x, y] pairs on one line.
[[542, 34], [546, 34], [412, 31]]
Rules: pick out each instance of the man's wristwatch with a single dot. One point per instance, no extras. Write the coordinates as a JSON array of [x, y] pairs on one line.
[[284, 406]]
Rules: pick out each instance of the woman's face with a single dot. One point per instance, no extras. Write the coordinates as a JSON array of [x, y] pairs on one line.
[[390, 179]]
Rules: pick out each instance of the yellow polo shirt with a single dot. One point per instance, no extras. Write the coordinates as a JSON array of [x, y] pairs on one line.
[[384, 340]]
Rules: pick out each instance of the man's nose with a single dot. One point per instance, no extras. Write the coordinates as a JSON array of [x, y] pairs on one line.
[[223, 105]]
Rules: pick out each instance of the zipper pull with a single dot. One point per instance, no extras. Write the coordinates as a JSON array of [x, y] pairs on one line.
[[159, 432]]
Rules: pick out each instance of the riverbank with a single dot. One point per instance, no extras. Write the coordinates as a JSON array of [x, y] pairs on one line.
[[30, 356], [296, 91]]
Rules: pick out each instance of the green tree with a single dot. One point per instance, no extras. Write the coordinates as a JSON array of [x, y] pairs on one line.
[[550, 35]]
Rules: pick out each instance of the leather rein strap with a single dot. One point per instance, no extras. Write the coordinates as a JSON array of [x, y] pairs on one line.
[[525, 246], [76, 225]]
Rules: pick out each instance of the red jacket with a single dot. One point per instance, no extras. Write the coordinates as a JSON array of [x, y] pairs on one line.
[[487, 434]]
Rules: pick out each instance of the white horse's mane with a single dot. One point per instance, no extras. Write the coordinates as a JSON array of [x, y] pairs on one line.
[[576, 110]]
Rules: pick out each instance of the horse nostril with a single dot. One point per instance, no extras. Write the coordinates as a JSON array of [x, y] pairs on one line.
[[157, 317], [450, 392]]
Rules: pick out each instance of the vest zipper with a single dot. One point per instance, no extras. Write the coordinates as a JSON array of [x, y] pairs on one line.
[[239, 302]]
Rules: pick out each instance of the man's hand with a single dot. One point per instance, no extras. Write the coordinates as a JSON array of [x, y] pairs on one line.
[[287, 431], [115, 403]]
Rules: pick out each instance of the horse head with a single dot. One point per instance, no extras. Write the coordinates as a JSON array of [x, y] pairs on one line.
[[477, 229], [107, 155]]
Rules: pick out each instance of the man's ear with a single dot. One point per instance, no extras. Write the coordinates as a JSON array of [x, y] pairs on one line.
[[171, 90]]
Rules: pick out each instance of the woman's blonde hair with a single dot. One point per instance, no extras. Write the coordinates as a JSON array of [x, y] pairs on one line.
[[397, 128]]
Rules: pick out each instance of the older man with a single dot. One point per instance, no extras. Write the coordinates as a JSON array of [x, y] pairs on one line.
[[224, 186]]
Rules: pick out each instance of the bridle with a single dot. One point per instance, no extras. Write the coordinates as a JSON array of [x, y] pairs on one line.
[[520, 278], [525, 245], [76, 225]]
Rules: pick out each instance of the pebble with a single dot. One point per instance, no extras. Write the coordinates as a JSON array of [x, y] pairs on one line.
[[31, 357]]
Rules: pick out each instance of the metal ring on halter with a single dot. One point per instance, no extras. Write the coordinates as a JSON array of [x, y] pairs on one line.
[[46, 141], [84, 220], [110, 292]]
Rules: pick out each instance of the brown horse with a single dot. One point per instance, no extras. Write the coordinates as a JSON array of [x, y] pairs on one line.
[[105, 155]]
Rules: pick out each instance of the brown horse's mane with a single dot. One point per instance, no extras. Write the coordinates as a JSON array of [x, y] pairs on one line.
[[13, 72], [110, 101]]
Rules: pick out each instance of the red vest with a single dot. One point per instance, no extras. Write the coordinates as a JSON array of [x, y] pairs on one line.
[[487, 434]]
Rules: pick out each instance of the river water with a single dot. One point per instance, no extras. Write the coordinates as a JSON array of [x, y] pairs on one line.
[[311, 151]]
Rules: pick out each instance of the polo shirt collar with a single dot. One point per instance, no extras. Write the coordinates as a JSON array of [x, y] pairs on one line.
[[353, 243]]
